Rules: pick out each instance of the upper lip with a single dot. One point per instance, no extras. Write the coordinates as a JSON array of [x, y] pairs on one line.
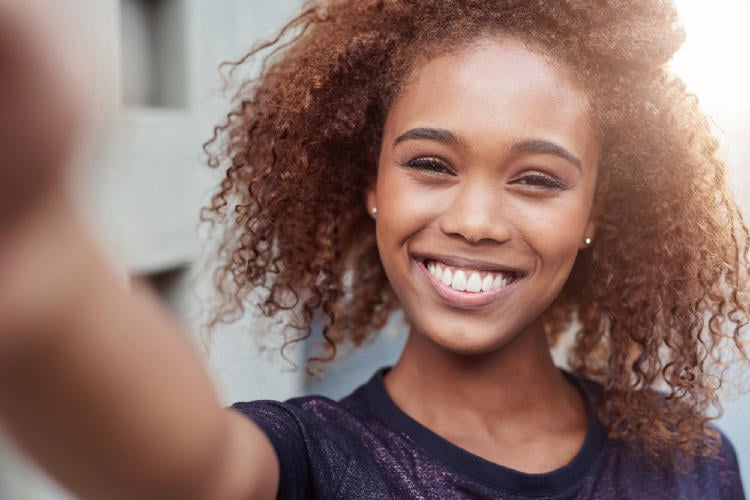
[[468, 262]]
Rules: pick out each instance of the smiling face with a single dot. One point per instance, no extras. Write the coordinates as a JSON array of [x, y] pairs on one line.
[[484, 193]]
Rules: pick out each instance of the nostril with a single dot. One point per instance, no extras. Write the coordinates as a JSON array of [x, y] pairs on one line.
[[476, 227]]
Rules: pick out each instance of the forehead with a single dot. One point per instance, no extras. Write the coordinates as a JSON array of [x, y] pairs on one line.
[[494, 89]]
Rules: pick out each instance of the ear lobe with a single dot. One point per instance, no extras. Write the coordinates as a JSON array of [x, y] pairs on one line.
[[589, 233], [370, 201]]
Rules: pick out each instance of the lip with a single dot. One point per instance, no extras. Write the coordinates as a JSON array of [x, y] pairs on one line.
[[466, 300], [478, 265]]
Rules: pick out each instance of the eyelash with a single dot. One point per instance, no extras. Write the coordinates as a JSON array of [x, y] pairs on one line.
[[538, 180], [430, 164], [534, 180]]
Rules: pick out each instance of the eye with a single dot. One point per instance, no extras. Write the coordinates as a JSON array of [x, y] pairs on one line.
[[430, 164], [540, 181]]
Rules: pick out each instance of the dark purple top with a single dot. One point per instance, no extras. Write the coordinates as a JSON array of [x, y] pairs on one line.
[[365, 447]]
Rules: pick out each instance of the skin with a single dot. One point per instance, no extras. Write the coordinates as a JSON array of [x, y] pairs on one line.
[[488, 162]]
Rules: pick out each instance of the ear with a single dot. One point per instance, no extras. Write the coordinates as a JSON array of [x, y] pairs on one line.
[[371, 201], [589, 234], [597, 211]]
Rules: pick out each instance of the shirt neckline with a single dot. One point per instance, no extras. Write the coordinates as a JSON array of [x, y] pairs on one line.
[[490, 473]]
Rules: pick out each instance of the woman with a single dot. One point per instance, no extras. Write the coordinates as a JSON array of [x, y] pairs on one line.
[[518, 168]]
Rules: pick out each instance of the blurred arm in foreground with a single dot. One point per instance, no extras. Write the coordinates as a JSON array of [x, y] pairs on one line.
[[97, 383]]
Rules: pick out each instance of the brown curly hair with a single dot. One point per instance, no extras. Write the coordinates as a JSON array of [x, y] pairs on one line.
[[657, 301]]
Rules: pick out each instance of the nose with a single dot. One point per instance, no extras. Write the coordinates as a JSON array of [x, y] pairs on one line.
[[476, 214]]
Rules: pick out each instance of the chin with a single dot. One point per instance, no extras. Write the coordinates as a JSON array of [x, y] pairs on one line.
[[466, 340]]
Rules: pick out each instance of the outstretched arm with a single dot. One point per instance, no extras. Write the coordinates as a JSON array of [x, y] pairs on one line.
[[97, 383]]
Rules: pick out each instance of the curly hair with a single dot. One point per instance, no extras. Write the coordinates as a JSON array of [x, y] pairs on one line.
[[658, 301]]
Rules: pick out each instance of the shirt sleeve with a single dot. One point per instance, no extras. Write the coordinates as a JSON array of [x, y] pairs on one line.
[[286, 433]]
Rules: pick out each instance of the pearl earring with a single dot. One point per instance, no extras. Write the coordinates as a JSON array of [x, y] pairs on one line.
[[587, 241], [374, 210]]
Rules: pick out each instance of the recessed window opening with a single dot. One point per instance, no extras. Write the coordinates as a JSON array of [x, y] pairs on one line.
[[153, 53]]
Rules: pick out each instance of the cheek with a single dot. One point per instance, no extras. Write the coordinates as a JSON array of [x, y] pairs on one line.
[[394, 216], [555, 231], [404, 205]]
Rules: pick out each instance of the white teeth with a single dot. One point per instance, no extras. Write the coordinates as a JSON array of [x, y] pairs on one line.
[[438, 272], [474, 284], [497, 282], [459, 281], [447, 277], [487, 283]]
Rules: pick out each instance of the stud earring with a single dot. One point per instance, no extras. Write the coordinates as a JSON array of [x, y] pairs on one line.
[[374, 210], [587, 241]]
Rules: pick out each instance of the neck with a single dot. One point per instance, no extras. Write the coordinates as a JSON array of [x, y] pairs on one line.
[[502, 380], [516, 383], [511, 406]]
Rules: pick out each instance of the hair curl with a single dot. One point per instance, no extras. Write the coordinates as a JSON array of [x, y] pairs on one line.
[[655, 301]]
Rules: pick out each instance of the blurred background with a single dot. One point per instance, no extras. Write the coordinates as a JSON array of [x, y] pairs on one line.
[[143, 186]]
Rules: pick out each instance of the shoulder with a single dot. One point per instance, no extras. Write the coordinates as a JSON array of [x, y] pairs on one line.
[[298, 431], [305, 415], [626, 467], [315, 439], [636, 475], [722, 469], [297, 426]]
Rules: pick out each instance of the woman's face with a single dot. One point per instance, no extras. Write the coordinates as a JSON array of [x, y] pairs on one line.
[[484, 193]]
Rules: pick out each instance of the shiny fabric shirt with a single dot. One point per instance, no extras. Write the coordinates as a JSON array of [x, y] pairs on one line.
[[365, 447]]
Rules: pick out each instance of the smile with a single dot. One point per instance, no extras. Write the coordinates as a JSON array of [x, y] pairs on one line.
[[469, 280], [466, 284]]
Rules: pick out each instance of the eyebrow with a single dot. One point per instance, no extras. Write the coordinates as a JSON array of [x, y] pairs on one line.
[[433, 134], [526, 146], [542, 147]]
